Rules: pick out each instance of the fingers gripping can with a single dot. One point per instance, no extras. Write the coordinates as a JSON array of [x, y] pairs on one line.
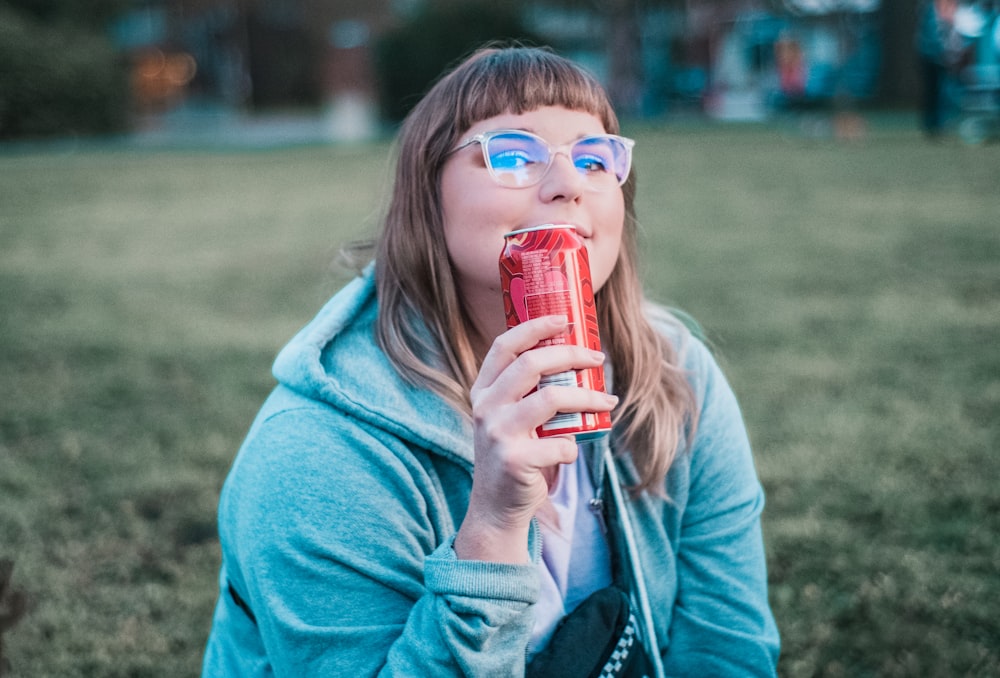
[[545, 270]]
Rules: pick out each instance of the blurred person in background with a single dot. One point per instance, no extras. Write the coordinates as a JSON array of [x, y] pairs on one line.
[[392, 511], [942, 51]]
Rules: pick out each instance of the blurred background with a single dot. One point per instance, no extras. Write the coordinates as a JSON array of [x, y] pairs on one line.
[[349, 69], [819, 186]]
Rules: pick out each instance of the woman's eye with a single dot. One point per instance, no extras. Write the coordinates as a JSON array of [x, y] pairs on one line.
[[592, 163], [510, 159]]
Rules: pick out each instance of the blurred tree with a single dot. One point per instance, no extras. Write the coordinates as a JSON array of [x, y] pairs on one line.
[[88, 13], [898, 79], [409, 58], [625, 76], [283, 57], [59, 73], [622, 20]]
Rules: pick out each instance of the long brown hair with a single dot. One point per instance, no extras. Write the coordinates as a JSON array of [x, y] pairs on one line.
[[422, 325]]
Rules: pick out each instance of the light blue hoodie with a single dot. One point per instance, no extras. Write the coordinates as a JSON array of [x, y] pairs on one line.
[[337, 520]]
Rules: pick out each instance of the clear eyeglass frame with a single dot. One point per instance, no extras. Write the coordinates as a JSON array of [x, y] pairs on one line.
[[523, 176]]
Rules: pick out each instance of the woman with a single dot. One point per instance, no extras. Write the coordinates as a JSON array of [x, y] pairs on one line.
[[393, 513]]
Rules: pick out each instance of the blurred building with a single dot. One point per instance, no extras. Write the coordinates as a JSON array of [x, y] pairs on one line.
[[742, 59], [256, 55], [814, 54]]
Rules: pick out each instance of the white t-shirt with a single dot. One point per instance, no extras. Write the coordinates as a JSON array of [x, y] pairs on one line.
[[576, 560]]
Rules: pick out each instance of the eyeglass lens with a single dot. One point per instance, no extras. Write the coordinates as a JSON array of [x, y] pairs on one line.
[[519, 159]]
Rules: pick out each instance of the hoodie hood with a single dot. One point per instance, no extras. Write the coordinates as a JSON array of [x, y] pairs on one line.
[[336, 360]]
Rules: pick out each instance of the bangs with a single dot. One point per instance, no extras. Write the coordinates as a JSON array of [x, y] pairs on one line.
[[522, 80]]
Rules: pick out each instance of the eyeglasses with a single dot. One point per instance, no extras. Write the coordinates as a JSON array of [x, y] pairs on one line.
[[519, 159]]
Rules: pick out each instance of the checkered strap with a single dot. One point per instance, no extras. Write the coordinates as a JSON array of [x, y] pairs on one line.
[[619, 656]]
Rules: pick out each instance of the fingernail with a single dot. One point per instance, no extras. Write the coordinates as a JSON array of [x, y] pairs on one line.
[[612, 399], [597, 355]]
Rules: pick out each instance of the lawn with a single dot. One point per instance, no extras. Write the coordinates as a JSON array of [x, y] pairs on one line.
[[850, 290]]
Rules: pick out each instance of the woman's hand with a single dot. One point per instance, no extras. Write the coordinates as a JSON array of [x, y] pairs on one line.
[[512, 464]]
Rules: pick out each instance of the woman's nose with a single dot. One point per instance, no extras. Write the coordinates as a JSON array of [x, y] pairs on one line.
[[562, 181]]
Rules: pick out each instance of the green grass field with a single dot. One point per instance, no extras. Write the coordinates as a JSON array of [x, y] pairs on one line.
[[851, 291]]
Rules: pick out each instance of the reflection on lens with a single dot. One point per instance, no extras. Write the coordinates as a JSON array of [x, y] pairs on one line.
[[518, 159]]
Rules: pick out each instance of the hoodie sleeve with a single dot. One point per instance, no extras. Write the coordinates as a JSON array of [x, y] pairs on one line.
[[722, 623], [340, 542]]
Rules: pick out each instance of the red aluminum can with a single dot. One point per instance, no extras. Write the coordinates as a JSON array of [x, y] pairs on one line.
[[545, 270]]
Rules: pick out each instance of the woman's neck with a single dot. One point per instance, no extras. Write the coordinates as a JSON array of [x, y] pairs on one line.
[[487, 322]]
